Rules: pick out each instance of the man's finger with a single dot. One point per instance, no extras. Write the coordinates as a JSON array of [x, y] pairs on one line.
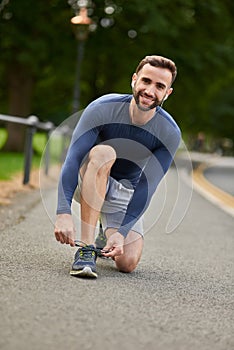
[[116, 251], [71, 242], [57, 235], [60, 237]]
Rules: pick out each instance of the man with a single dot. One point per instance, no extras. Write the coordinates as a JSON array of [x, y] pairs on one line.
[[120, 150]]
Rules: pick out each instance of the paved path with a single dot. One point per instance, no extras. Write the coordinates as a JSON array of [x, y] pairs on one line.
[[179, 297], [213, 178], [222, 177]]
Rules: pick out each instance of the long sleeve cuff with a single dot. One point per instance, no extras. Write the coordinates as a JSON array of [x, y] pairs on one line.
[[125, 228]]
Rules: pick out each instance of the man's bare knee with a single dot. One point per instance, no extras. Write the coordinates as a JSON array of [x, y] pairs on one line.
[[102, 157], [126, 265]]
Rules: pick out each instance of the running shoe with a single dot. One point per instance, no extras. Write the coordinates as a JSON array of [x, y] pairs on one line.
[[85, 262]]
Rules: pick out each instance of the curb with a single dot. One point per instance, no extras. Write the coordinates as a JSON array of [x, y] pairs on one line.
[[194, 164], [222, 199]]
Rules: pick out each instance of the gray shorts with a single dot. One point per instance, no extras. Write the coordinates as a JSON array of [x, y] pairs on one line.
[[115, 205]]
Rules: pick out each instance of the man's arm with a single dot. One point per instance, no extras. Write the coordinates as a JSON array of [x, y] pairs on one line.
[[68, 180], [64, 226], [153, 173], [83, 139]]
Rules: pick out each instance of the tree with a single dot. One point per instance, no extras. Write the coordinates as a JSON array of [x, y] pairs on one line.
[[29, 48], [38, 54], [193, 33]]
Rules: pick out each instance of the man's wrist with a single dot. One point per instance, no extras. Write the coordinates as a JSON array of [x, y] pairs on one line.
[[60, 211], [123, 231], [64, 214]]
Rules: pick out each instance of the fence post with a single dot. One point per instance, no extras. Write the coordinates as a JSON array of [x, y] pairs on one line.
[[28, 150], [49, 127]]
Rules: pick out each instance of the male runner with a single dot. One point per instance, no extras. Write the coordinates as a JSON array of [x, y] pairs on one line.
[[120, 150]]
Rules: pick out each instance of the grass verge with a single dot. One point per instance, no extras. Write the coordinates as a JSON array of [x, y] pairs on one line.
[[12, 163]]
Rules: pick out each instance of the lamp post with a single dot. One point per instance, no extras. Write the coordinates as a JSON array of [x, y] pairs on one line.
[[80, 24]]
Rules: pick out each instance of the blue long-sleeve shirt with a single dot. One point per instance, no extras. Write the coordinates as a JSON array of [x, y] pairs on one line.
[[144, 153]]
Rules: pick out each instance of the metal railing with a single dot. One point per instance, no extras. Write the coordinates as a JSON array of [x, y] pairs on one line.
[[33, 124]]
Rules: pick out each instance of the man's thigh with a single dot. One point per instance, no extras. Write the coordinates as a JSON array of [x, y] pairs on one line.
[[115, 206]]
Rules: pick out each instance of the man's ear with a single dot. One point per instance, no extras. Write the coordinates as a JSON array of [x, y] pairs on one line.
[[169, 91], [134, 77]]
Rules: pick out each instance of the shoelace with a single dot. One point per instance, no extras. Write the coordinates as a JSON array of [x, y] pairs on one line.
[[97, 250]]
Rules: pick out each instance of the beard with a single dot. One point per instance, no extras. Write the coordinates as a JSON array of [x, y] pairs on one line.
[[156, 102]]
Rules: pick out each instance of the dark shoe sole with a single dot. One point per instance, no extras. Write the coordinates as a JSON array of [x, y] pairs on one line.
[[85, 273]]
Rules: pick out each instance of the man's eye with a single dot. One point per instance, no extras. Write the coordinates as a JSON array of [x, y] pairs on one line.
[[146, 81]]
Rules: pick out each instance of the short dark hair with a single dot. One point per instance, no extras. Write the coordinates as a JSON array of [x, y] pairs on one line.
[[159, 61]]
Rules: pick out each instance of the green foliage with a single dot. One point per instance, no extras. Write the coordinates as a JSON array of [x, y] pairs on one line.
[[39, 143], [12, 163], [55, 146], [3, 137], [196, 34]]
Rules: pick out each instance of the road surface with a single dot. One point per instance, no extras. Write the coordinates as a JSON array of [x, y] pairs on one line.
[[179, 297], [222, 177]]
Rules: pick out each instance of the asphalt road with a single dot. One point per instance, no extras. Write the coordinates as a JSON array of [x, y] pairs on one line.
[[222, 177], [179, 297]]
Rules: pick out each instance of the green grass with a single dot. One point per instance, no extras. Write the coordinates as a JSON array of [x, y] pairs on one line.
[[12, 163]]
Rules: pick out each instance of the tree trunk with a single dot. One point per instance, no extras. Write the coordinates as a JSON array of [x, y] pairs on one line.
[[20, 86]]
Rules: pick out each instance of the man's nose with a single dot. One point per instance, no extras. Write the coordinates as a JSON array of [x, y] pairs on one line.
[[150, 90]]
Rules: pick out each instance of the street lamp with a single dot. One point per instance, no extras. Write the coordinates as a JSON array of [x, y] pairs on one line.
[[81, 23]]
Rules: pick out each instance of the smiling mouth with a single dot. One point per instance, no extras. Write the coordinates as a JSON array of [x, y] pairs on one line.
[[146, 99], [145, 102]]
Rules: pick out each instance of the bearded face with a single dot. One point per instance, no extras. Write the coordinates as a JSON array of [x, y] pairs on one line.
[[144, 101], [150, 86]]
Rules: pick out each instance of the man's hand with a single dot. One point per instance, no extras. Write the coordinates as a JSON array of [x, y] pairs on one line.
[[64, 229], [114, 245]]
